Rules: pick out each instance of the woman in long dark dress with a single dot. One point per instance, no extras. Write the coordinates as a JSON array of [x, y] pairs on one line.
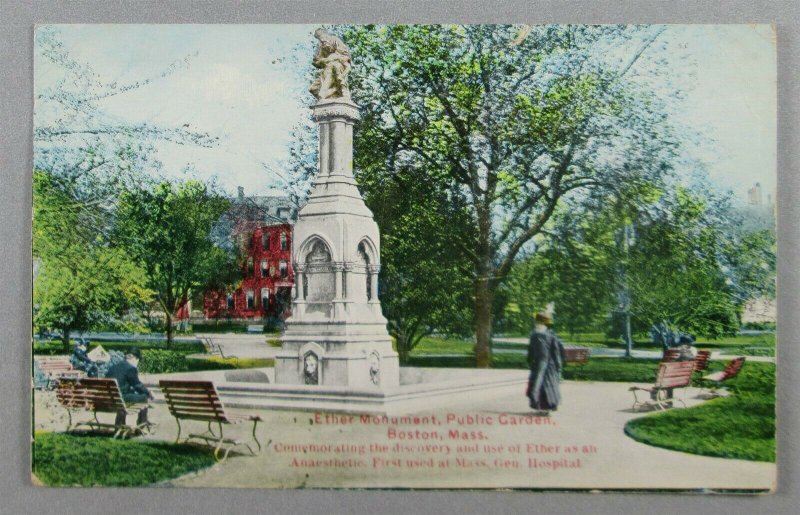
[[545, 359]]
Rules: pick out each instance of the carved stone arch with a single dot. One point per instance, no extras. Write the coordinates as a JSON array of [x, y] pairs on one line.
[[369, 250], [368, 259], [311, 244]]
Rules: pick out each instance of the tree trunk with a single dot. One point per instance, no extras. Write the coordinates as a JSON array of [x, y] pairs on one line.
[[169, 329], [628, 337], [483, 323], [65, 338]]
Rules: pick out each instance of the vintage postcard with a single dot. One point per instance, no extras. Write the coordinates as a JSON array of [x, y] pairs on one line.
[[405, 256]]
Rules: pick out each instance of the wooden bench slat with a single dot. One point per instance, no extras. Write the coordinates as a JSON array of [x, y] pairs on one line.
[[174, 383], [195, 409], [203, 397]]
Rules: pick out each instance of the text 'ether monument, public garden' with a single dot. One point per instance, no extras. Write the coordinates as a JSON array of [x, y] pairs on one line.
[[337, 333]]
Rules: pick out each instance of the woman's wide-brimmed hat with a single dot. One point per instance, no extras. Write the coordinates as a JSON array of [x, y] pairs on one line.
[[543, 317]]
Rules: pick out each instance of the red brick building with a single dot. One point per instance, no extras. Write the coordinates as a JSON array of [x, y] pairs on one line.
[[265, 289]]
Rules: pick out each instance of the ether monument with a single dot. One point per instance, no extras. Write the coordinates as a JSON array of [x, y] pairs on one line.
[[337, 334]]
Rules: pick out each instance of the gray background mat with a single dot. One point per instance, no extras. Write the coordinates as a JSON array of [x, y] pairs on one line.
[[16, 74]]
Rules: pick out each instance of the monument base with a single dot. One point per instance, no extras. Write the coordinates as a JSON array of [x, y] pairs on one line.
[[337, 353], [420, 389]]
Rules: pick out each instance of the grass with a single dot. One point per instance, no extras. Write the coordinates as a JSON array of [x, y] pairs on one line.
[[438, 345], [597, 369], [88, 460], [740, 426], [232, 363]]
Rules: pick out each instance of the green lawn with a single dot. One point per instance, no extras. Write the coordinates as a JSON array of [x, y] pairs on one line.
[[82, 460], [740, 426], [437, 345]]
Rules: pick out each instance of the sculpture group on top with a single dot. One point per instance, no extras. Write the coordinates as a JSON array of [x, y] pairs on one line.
[[333, 61]]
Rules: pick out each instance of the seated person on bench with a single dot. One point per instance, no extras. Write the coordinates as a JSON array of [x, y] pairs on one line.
[[127, 375]]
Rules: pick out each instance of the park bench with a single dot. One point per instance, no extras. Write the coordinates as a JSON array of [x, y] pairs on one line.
[[671, 375], [98, 396], [701, 360], [198, 400], [730, 371], [671, 355], [211, 347], [51, 370], [576, 355]]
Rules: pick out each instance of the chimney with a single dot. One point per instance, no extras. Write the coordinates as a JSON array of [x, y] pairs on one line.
[[241, 193]]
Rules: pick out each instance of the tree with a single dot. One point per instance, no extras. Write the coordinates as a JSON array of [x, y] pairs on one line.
[[510, 123], [424, 281], [673, 257], [166, 230], [82, 281]]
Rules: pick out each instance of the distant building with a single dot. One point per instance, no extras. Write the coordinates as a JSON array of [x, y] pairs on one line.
[[760, 310], [754, 195], [262, 229]]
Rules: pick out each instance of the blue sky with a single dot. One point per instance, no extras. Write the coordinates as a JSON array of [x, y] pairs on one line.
[[241, 85]]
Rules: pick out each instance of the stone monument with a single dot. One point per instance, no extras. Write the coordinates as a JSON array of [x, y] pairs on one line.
[[337, 333]]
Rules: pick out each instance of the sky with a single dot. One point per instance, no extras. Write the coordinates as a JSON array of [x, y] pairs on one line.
[[243, 84]]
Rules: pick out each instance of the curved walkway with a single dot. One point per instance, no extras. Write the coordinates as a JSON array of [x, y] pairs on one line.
[[591, 420]]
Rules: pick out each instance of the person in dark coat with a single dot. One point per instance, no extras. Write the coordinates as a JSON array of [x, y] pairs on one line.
[[545, 359], [127, 375]]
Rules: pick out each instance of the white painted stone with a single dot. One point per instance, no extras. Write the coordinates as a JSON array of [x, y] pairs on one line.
[[336, 315]]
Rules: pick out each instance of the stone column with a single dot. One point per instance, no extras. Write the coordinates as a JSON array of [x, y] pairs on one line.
[[338, 269], [299, 283], [373, 271], [324, 148]]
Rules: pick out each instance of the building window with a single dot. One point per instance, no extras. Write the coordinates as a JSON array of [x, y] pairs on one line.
[[231, 302], [264, 268], [251, 299], [265, 240], [284, 268], [265, 298], [284, 242], [250, 270]]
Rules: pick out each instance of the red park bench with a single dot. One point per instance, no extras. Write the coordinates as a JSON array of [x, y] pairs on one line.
[[730, 371], [671, 375], [577, 355]]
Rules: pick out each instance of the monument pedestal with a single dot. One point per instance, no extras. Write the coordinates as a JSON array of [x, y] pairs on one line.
[[337, 333]]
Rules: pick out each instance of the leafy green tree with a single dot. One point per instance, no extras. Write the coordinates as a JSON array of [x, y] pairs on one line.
[[671, 256], [84, 157], [81, 281], [511, 122], [166, 230], [424, 282]]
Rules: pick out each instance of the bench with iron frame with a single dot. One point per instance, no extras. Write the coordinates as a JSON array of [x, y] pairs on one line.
[[211, 347], [671, 375], [198, 400], [99, 395]]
